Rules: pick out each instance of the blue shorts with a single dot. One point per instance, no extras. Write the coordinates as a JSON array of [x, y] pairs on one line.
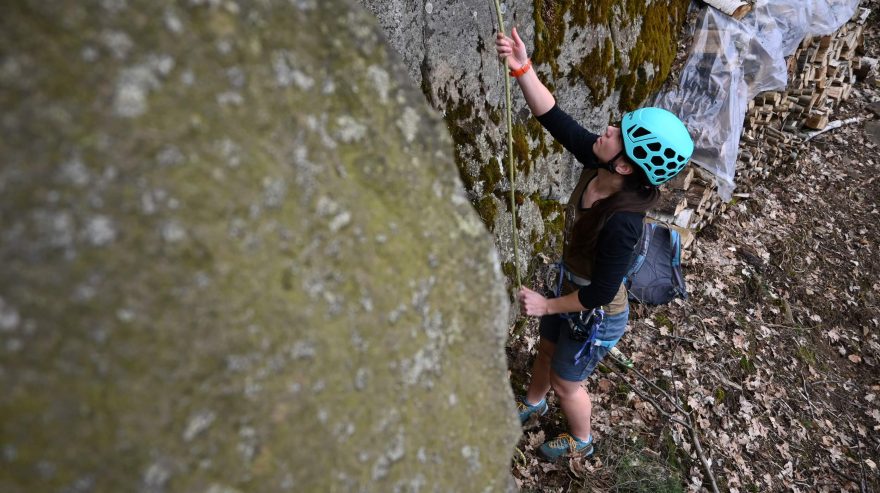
[[555, 329]]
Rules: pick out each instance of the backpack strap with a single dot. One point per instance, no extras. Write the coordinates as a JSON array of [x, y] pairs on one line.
[[677, 275], [675, 238], [640, 251]]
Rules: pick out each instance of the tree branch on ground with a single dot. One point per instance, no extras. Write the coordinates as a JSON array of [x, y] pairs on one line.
[[685, 423]]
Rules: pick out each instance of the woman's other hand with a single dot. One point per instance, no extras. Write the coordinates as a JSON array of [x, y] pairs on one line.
[[533, 303], [511, 48]]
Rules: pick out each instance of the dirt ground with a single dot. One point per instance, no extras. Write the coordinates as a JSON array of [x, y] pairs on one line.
[[774, 359]]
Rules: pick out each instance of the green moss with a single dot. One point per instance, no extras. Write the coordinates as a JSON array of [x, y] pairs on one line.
[[656, 45], [536, 132], [806, 354], [508, 269], [660, 23], [549, 208], [663, 320], [521, 149], [549, 32], [464, 126], [719, 395], [593, 12], [494, 114], [488, 211], [553, 214], [490, 173], [598, 70], [550, 26]]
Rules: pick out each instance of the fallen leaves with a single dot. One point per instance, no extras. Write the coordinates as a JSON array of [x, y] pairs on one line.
[[605, 385], [535, 439]]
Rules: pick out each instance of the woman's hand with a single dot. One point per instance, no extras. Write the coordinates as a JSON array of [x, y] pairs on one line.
[[533, 303], [513, 49]]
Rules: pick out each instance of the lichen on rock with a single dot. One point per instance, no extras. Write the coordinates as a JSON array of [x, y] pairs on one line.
[[237, 257]]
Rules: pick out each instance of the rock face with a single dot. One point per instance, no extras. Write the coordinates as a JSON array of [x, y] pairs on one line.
[[236, 255], [600, 58]]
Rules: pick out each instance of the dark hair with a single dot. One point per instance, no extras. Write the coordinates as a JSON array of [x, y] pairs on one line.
[[637, 195]]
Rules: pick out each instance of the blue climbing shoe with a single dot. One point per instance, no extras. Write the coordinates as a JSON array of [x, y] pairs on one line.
[[566, 445], [526, 411]]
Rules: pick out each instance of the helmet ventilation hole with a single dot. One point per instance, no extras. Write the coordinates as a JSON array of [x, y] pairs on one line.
[[640, 153], [640, 132]]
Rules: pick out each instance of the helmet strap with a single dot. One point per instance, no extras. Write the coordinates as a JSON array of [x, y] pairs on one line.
[[609, 165]]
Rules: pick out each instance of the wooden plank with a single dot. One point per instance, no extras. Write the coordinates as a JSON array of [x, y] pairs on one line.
[[834, 92], [682, 205], [734, 8], [816, 122]]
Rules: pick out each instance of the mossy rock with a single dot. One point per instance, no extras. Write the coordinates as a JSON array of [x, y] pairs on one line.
[[237, 256]]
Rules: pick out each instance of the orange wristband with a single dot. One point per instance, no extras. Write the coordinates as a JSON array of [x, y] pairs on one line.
[[520, 71]]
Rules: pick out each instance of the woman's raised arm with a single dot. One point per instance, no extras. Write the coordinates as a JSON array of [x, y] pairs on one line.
[[538, 97]]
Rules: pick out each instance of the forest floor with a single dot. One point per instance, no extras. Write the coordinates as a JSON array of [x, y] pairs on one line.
[[774, 357]]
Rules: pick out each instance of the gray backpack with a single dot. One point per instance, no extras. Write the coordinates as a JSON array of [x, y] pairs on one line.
[[655, 276]]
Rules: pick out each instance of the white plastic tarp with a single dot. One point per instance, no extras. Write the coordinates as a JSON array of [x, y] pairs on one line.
[[733, 61]]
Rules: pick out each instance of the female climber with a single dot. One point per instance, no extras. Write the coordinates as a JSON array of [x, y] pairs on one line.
[[622, 168]]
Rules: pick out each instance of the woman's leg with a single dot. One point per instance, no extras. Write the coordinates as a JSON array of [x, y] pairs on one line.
[[540, 383], [575, 403]]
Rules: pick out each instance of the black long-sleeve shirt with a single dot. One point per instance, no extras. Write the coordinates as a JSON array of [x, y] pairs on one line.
[[619, 235]]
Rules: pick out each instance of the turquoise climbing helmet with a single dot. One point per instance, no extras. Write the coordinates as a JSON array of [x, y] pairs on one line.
[[657, 141]]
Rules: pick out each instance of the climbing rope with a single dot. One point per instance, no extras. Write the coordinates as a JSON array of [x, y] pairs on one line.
[[511, 168]]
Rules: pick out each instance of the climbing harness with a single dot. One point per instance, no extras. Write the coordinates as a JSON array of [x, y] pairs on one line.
[[583, 326], [512, 170]]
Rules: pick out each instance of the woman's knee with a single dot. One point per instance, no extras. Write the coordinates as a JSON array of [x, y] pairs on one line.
[[564, 388]]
